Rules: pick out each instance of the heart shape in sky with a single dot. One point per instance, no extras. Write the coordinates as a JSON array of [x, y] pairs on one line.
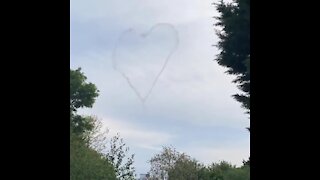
[[141, 58]]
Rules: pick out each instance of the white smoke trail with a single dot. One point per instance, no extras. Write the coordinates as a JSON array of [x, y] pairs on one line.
[[144, 98]]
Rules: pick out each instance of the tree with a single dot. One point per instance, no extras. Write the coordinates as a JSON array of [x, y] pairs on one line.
[[170, 164], [219, 169], [96, 138], [234, 44], [116, 153], [185, 168], [82, 94], [204, 173], [161, 163], [89, 157], [85, 163], [242, 173]]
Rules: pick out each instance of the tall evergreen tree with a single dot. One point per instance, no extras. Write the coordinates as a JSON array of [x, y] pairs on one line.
[[234, 44], [234, 21]]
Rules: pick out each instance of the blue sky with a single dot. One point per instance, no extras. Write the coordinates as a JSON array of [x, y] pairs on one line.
[[190, 106]]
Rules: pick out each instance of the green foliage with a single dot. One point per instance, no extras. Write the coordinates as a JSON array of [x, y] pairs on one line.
[[219, 169], [234, 44], [204, 173], [82, 93], [87, 142], [164, 161], [116, 155], [90, 147], [234, 36], [242, 173], [96, 137], [224, 171], [85, 163], [185, 168], [172, 165], [81, 124]]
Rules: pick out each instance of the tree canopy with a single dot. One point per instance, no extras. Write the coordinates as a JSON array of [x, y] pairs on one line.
[[85, 162], [89, 156], [172, 165], [234, 21], [82, 94]]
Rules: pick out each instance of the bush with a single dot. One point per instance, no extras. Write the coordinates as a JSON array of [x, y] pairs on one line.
[[87, 164]]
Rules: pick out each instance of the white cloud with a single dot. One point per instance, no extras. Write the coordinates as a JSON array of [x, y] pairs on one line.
[[142, 137]]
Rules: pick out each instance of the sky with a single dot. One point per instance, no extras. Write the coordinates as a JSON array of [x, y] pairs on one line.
[[154, 65]]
